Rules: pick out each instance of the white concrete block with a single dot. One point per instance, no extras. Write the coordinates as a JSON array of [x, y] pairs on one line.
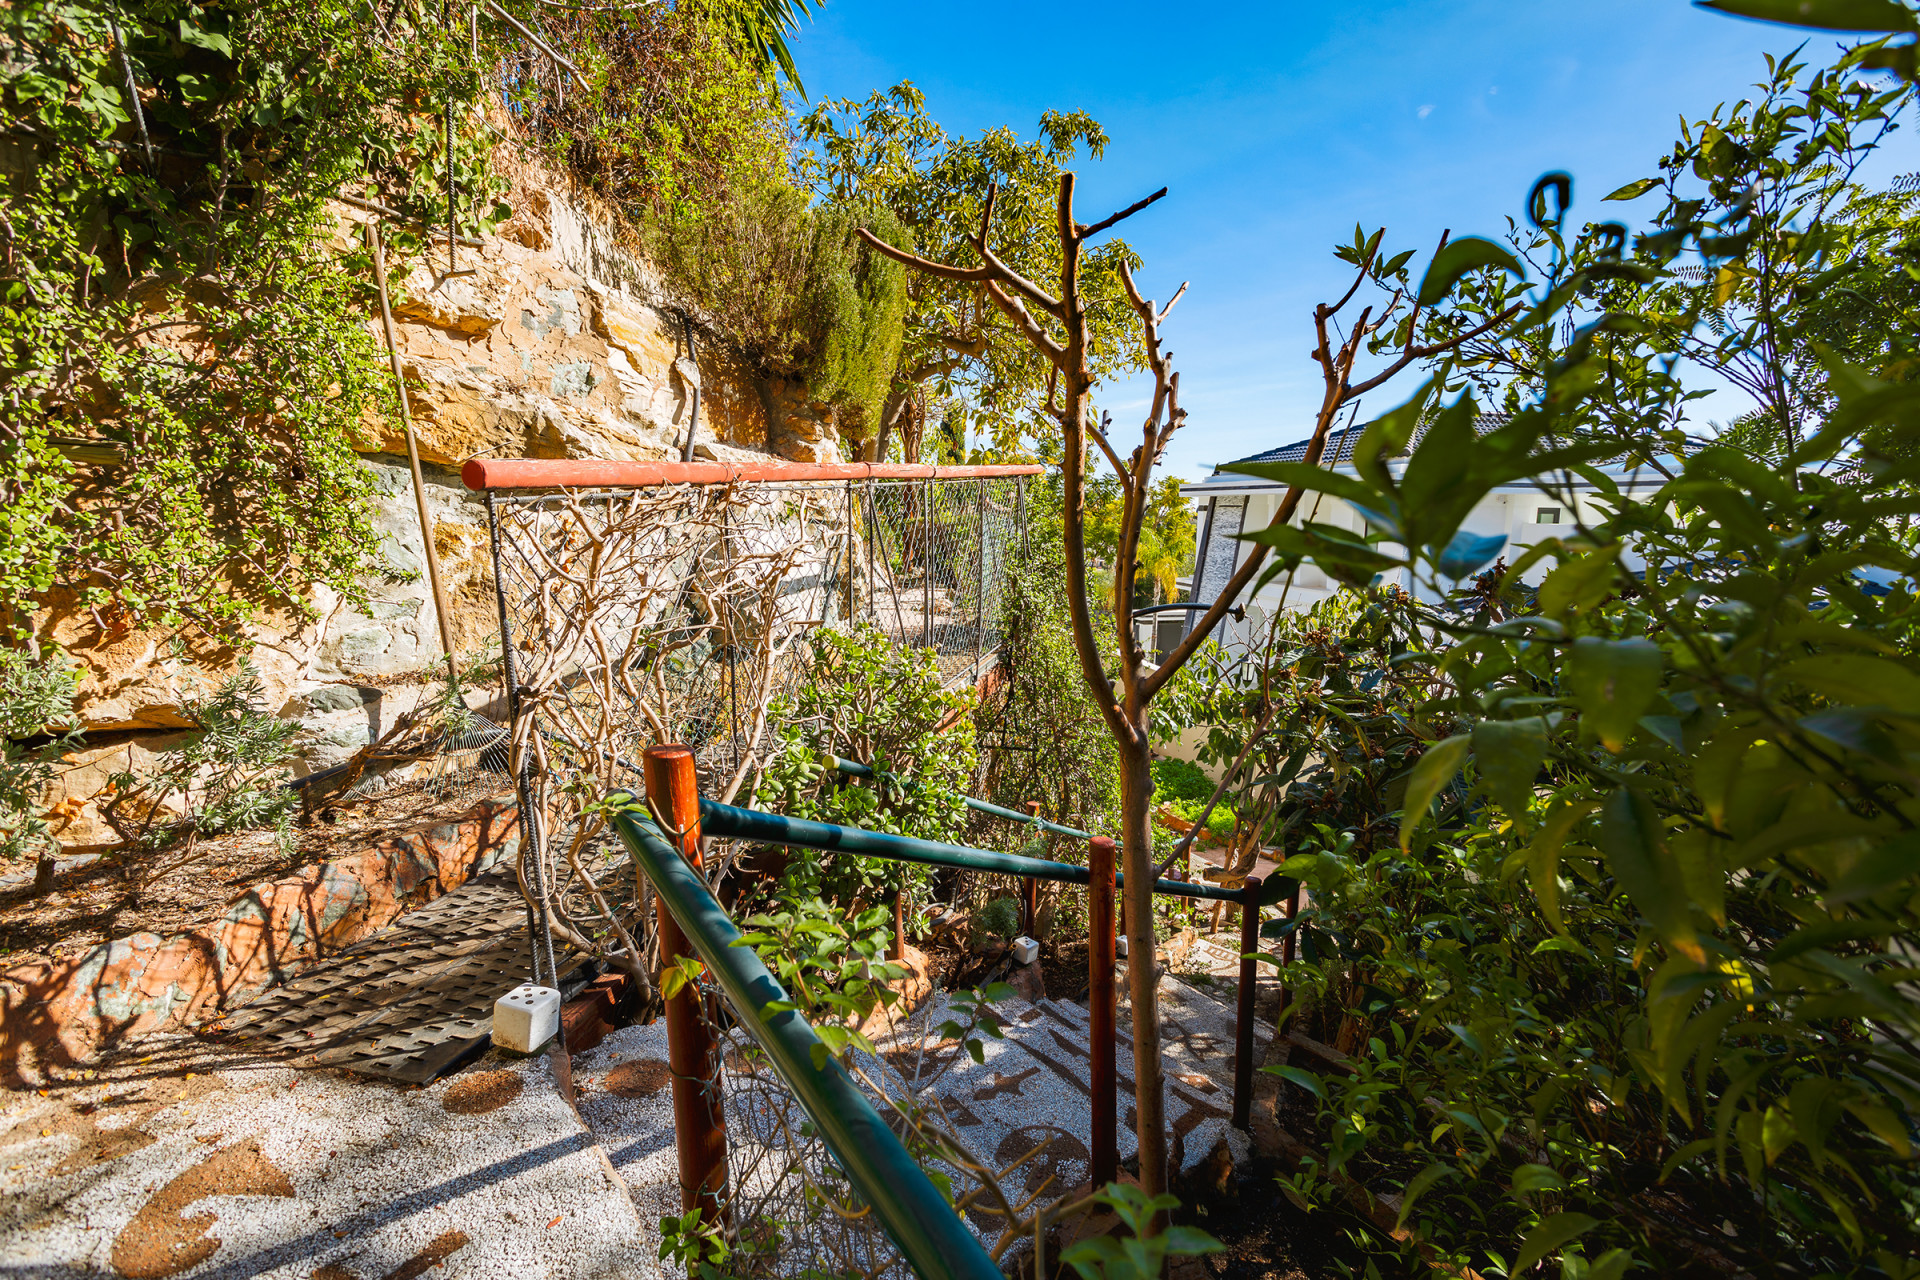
[[1025, 950], [1120, 946], [526, 1017]]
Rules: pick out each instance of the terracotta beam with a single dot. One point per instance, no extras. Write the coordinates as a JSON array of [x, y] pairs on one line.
[[582, 473]]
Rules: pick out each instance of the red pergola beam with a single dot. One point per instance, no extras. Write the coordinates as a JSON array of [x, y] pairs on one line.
[[580, 473]]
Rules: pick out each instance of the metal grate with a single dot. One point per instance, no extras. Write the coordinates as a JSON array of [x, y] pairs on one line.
[[409, 1002]]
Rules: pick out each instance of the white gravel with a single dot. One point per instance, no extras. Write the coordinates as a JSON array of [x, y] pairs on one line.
[[379, 1172]]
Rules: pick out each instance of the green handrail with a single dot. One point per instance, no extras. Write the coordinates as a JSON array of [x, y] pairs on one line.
[[854, 769], [929, 1234], [730, 822]]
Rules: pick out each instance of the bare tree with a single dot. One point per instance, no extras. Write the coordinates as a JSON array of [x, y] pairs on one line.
[[1056, 324]]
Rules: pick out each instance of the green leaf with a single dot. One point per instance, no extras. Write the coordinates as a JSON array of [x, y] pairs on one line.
[[1635, 848], [1509, 754], [1529, 1178], [1857, 678], [1610, 1265], [1458, 257], [1633, 190], [1305, 1079], [1613, 682], [1467, 552], [1551, 1235], [1190, 1242], [1387, 436], [1877, 870], [1416, 1186], [1579, 583], [1824, 15], [1435, 769]]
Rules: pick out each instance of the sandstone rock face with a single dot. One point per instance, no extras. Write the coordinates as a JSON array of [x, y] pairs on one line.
[[542, 347]]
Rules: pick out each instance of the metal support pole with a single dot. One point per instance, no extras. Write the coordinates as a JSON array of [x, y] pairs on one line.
[[850, 555], [699, 1116], [539, 928], [1020, 510], [980, 603], [1100, 1010], [926, 564], [1243, 1015]]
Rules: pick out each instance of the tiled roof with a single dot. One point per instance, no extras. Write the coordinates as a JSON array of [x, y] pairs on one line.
[[1340, 444]]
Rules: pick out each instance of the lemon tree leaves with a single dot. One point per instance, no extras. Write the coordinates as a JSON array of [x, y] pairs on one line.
[[1827, 15], [1434, 770], [1632, 838], [1459, 257], [1613, 682]]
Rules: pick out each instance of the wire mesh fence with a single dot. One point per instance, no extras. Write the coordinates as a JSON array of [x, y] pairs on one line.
[[679, 613], [789, 1208]]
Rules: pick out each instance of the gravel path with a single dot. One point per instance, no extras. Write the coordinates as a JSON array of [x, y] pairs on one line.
[[192, 1162]]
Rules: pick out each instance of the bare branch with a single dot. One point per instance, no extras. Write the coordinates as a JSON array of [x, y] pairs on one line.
[[1087, 233]]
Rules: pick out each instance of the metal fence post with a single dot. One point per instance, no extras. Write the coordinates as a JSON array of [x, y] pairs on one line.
[[926, 564], [699, 1116], [980, 603], [532, 847], [1243, 1015], [1100, 1012]]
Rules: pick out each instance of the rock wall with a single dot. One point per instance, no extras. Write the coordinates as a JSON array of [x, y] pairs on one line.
[[553, 341]]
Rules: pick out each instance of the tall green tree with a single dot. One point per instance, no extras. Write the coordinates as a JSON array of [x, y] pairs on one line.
[[958, 348]]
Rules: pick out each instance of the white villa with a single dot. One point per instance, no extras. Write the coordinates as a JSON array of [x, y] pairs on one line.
[[1226, 503]]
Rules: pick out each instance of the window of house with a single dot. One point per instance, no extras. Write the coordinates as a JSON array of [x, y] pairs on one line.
[[1547, 515]]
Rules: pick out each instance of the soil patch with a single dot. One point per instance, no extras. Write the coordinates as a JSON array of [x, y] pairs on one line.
[[444, 1246], [639, 1079], [160, 1242], [1266, 1237], [481, 1092], [102, 900], [1064, 967]]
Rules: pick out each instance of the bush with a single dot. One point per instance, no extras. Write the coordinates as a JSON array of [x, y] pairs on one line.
[[230, 776], [1000, 918]]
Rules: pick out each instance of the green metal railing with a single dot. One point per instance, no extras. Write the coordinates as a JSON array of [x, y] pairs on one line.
[[932, 1238], [731, 822], [854, 769]]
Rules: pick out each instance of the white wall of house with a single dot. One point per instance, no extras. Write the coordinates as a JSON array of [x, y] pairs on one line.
[[1225, 505]]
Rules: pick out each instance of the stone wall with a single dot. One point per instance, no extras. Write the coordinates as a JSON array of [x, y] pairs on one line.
[[560, 344]]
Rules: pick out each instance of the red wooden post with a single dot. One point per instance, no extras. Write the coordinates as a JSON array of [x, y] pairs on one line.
[[1243, 1015], [899, 926], [1100, 1010], [699, 1117], [1030, 889]]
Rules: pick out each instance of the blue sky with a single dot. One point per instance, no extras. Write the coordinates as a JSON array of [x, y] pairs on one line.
[[1277, 127]]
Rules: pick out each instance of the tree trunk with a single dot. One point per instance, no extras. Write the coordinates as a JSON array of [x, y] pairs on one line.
[[1143, 970]]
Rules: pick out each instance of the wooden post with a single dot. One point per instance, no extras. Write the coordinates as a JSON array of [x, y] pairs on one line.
[[1243, 1015], [442, 611], [899, 926], [1100, 1010], [699, 1115]]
